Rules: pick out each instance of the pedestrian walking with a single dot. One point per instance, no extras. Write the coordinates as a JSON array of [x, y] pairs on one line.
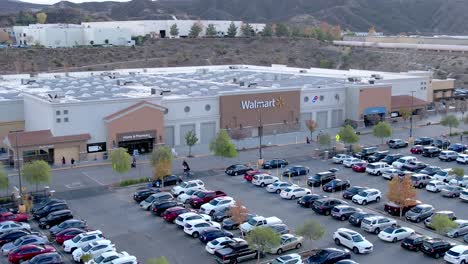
[[307, 140], [63, 161], [72, 161], [186, 168], [134, 162]]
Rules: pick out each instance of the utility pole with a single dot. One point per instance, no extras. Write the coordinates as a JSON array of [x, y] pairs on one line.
[[260, 134], [411, 116], [18, 166]]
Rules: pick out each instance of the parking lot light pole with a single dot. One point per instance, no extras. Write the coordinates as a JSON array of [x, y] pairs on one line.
[[260, 134], [18, 166], [411, 116]]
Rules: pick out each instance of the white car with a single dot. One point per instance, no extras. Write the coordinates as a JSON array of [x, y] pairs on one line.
[[220, 243], [442, 175], [217, 205], [183, 218], [294, 192], [184, 198], [389, 173], [352, 240], [435, 186], [457, 255], [292, 258], [125, 260], [348, 163], [264, 179], [195, 227], [81, 240], [146, 204], [403, 160], [366, 196], [107, 257], [463, 182], [11, 225], [462, 158], [464, 195], [375, 224], [377, 168], [278, 186], [394, 234], [338, 159], [95, 249], [188, 185]]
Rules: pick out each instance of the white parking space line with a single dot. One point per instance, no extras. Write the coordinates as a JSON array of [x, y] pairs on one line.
[[92, 178], [73, 185]]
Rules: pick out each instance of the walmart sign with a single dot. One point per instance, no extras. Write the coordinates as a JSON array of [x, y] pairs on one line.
[[256, 104]]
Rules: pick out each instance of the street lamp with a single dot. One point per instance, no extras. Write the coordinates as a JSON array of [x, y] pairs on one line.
[[260, 134], [18, 165], [411, 116]]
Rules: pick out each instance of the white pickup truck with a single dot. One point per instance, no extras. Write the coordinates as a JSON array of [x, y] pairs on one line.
[[259, 221]]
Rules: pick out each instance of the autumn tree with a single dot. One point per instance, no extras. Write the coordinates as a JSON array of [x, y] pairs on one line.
[[191, 139], [382, 130], [262, 239], [450, 121], [211, 31], [232, 30], [174, 30], [41, 17], [195, 30], [401, 192], [238, 213], [161, 161], [311, 230], [372, 31], [36, 172], [324, 140], [311, 126], [222, 146], [120, 160]]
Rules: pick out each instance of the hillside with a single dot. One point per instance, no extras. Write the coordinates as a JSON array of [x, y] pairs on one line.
[[192, 52], [391, 16]]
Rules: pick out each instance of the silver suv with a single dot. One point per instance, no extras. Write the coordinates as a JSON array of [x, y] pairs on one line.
[[420, 212], [375, 224], [420, 180]]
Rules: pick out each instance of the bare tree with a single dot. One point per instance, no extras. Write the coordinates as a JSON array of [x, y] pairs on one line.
[[238, 134]]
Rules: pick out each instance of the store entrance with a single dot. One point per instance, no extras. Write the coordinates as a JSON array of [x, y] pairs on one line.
[[143, 146]]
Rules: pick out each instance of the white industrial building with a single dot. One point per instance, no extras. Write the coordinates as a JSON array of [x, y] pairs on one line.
[[82, 115]]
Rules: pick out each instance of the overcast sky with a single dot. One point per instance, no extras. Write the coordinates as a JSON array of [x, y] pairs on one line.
[[49, 2]]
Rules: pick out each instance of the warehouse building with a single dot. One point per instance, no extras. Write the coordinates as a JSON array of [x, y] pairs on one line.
[[83, 115]]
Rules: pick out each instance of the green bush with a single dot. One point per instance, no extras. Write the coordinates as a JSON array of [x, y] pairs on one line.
[[133, 181], [465, 132], [455, 134]]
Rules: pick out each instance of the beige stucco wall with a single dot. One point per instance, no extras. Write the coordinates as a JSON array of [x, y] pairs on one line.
[[440, 88], [7, 127]]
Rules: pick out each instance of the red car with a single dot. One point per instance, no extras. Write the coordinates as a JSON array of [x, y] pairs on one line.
[[417, 149], [359, 167], [248, 176], [171, 214], [27, 252], [9, 216], [67, 234], [394, 209], [204, 197]]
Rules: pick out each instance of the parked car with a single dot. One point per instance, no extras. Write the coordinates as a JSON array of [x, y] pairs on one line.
[[237, 169], [45, 203], [336, 185], [110, 256], [230, 224], [295, 171], [388, 174], [159, 207], [188, 185], [195, 227], [343, 212], [430, 170], [393, 234], [420, 212], [204, 197], [448, 155], [416, 149], [82, 239], [328, 255], [293, 258], [441, 143], [172, 213], [435, 247], [248, 176], [216, 204], [294, 192], [185, 197], [351, 191], [309, 199], [458, 147], [462, 159], [464, 195], [280, 229], [366, 196], [395, 210], [457, 255], [55, 218], [359, 167], [27, 252], [275, 163], [67, 234], [431, 151], [397, 143], [356, 218], [288, 242], [168, 180], [378, 156], [443, 175], [142, 194], [9, 216], [278, 186], [374, 224], [10, 225], [235, 252], [460, 181], [365, 153], [423, 141], [24, 240], [451, 191], [321, 178], [339, 158], [263, 180], [414, 166], [94, 249], [435, 186], [43, 212], [402, 161], [213, 233], [221, 242], [460, 230], [352, 240], [389, 159], [11, 236], [420, 180], [325, 205], [377, 168], [348, 163], [222, 214], [413, 242], [46, 258], [157, 197], [185, 217]]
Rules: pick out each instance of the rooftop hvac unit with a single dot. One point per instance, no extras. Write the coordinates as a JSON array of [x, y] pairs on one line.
[[354, 79], [241, 83], [371, 81], [27, 81], [132, 73], [153, 91], [234, 80], [377, 76], [123, 82], [233, 67], [252, 85], [302, 71]]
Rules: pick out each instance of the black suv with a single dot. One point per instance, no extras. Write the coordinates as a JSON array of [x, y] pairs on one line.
[[160, 206], [235, 252], [441, 143], [44, 203], [12, 235], [275, 163], [49, 209], [356, 218], [321, 178], [324, 206], [436, 247], [425, 141], [389, 159], [237, 169], [378, 156], [141, 195], [309, 199], [71, 223], [350, 192], [366, 152], [328, 255], [55, 218], [430, 170], [431, 152], [413, 242]]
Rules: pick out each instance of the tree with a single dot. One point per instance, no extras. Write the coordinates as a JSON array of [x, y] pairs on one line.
[[442, 223], [262, 239], [160, 260], [324, 139], [174, 30], [41, 17], [247, 30], [161, 161], [311, 230], [195, 30], [4, 182], [296, 32], [238, 213], [348, 135], [405, 113], [311, 126], [36, 172], [211, 31], [461, 106], [401, 192], [382, 130], [458, 172], [450, 121], [232, 30], [120, 160], [222, 145], [282, 30], [267, 31], [191, 139]]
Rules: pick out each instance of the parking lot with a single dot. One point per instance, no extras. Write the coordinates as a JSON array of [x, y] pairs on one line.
[[144, 235]]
